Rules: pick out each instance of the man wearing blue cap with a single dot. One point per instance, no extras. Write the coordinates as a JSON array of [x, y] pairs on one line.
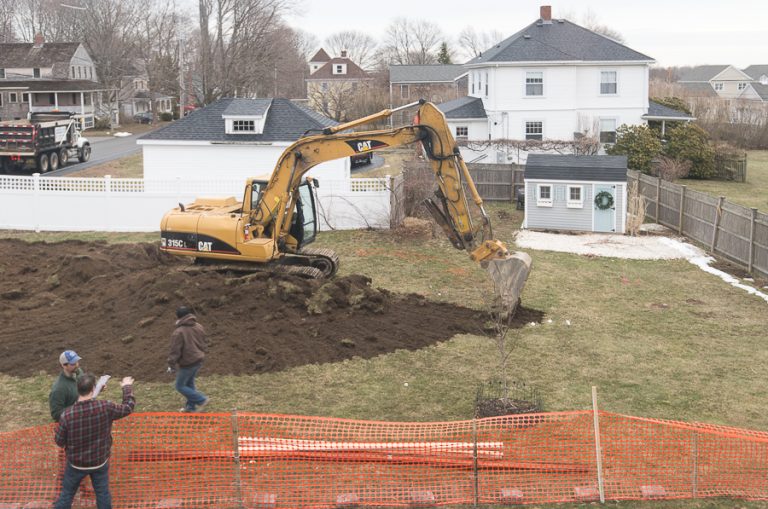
[[64, 391]]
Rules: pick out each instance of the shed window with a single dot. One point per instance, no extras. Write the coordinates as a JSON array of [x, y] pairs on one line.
[[544, 195], [608, 83], [575, 197], [534, 83], [462, 131], [243, 126]]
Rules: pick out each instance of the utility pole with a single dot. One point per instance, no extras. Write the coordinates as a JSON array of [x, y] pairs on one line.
[[182, 82]]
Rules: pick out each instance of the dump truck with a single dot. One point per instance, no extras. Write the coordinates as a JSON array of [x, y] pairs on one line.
[[44, 142]]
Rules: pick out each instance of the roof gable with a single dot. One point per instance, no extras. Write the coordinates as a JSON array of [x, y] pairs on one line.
[[755, 71], [27, 55], [559, 41], [576, 168], [320, 56], [325, 73], [285, 121], [702, 73]]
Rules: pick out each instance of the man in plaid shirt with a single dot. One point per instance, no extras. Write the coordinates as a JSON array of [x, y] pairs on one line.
[[85, 433]]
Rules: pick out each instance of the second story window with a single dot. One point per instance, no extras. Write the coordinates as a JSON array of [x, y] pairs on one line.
[[534, 84], [243, 126], [486, 84], [534, 130], [718, 86], [742, 86], [608, 85], [36, 72], [462, 131]]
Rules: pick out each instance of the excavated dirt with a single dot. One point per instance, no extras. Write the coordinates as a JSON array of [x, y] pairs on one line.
[[114, 304]]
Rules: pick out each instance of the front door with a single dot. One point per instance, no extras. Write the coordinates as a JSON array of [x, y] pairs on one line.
[[604, 205]]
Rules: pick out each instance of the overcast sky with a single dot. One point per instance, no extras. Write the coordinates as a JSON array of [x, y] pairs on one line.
[[673, 32]]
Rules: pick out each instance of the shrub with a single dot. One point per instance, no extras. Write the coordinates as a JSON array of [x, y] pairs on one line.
[[689, 142], [639, 143], [673, 102], [101, 123], [166, 116], [671, 169]]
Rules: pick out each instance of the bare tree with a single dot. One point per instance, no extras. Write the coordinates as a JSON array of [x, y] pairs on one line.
[[7, 15], [411, 42], [360, 47], [473, 43], [590, 21]]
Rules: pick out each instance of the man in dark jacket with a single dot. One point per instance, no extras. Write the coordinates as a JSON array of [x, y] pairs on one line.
[[85, 433], [188, 348], [64, 391]]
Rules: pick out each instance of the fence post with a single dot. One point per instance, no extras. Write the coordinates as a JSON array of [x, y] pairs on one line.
[[695, 461], [682, 209], [236, 459], [36, 199], [476, 487], [107, 192], [598, 451], [716, 224], [752, 240], [658, 198]]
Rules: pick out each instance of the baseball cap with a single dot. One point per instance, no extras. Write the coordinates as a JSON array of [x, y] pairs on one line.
[[183, 311], [69, 357]]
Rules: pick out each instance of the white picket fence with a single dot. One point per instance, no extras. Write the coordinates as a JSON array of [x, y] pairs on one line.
[[135, 205]]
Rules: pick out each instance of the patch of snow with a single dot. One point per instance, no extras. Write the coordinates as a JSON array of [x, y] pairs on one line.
[[121, 134]]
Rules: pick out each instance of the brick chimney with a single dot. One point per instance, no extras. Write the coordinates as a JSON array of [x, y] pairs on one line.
[[546, 14], [343, 53], [39, 41]]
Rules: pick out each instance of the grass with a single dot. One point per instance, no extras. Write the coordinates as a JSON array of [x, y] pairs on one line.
[[658, 338], [126, 167], [752, 193]]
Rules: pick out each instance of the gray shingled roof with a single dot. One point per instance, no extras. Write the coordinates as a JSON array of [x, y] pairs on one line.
[[44, 85], [570, 167], [657, 110], [26, 55], [320, 56], [446, 73], [559, 41], [247, 107], [762, 90], [702, 73], [699, 89], [286, 121], [464, 107], [755, 71]]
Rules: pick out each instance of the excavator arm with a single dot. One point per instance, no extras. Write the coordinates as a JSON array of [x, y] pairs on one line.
[[451, 209]]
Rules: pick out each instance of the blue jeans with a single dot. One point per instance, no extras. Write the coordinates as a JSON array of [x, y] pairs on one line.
[[185, 384], [72, 479]]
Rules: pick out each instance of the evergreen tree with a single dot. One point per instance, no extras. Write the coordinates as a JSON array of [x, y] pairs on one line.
[[444, 56]]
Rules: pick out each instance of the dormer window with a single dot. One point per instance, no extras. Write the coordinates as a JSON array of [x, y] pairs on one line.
[[339, 68], [243, 126]]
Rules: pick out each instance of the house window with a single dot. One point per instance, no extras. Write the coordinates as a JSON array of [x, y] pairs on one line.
[[608, 83], [13, 97], [324, 86], [607, 130], [462, 131], [25, 97], [534, 84], [1, 98], [405, 91], [243, 126], [36, 72], [544, 195], [51, 99], [2, 73], [339, 69], [486, 84], [575, 197], [74, 98], [73, 72], [90, 71], [718, 86], [534, 130], [742, 86]]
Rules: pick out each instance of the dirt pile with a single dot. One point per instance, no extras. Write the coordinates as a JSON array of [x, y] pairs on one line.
[[114, 305]]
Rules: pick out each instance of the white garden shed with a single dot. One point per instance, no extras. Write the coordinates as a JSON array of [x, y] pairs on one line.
[[576, 193]]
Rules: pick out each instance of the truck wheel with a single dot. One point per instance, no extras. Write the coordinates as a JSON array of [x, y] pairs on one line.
[[43, 163], [63, 157], [84, 153], [54, 161]]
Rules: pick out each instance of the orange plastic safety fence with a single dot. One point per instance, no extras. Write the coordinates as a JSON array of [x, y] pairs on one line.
[[168, 460]]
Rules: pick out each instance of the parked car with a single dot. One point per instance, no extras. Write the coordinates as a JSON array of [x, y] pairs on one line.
[[145, 117]]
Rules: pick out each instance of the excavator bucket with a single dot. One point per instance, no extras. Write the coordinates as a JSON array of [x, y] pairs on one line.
[[509, 274]]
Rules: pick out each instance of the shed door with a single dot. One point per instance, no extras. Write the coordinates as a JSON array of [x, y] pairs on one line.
[[605, 219]]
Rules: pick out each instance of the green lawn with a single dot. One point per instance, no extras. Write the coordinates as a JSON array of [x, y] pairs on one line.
[[752, 193], [659, 339]]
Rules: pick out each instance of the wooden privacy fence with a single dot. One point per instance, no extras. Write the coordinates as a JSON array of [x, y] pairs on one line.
[[734, 232], [244, 460]]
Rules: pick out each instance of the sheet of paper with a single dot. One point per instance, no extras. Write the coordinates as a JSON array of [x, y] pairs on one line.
[[100, 384]]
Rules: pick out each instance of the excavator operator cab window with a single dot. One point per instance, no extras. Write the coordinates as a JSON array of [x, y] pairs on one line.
[[306, 214], [255, 194]]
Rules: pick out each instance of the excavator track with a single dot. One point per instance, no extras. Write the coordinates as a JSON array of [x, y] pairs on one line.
[[309, 263]]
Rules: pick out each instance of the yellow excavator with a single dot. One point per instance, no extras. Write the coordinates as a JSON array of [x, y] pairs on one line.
[[271, 228]]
